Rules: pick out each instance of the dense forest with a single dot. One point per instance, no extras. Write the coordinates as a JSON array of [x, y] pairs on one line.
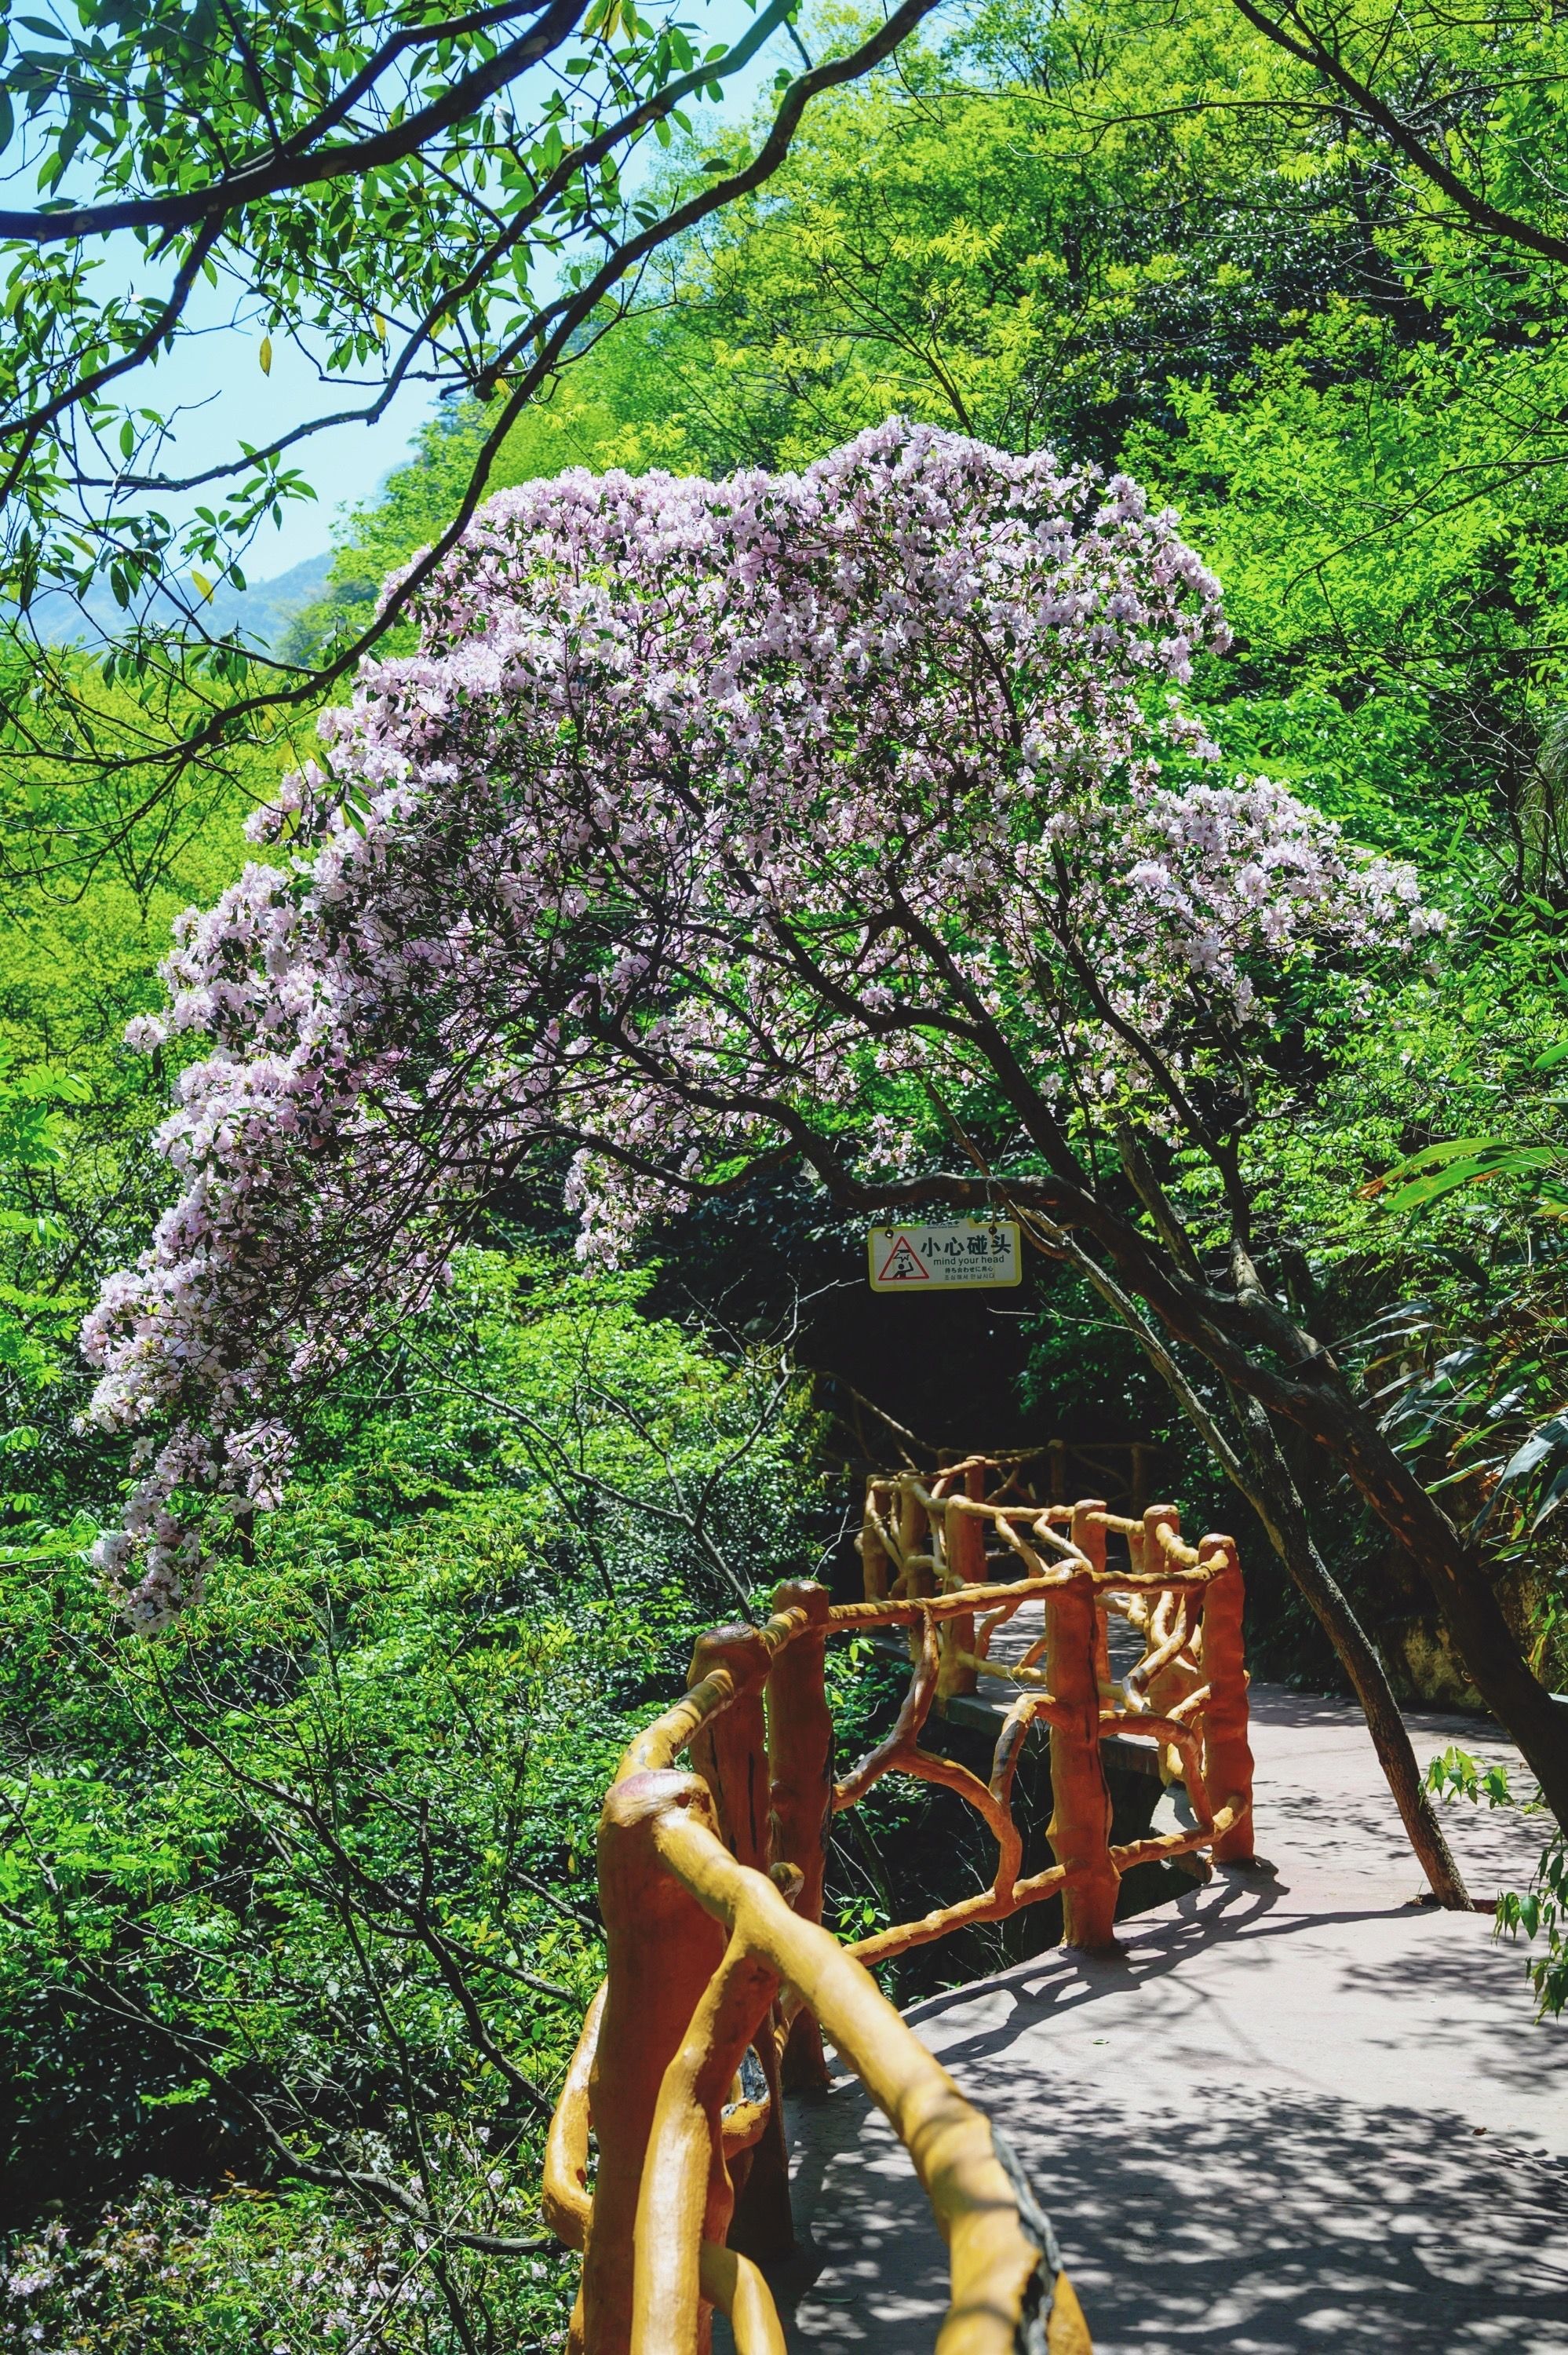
[[297, 1912]]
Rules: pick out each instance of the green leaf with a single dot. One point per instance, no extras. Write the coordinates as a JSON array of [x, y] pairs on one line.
[[1550, 1439], [1432, 1157], [1470, 1161]]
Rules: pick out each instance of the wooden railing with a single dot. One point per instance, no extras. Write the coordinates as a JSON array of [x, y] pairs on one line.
[[1053, 1471], [721, 1981]]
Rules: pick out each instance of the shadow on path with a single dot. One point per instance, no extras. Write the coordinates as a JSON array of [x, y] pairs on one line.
[[1288, 2113], [1256, 2127], [1271, 2225]]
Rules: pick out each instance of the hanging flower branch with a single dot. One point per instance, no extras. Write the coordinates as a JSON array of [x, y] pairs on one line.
[[705, 819]]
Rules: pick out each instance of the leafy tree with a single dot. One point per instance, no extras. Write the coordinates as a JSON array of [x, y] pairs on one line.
[[404, 193], [304, 1901], [1142, 236], [78, 1183], [1464, 105], [950, 246]]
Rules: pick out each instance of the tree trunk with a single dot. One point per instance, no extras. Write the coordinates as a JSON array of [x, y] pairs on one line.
[[1280, 1509], [1274, 1498], [1453, 1570]]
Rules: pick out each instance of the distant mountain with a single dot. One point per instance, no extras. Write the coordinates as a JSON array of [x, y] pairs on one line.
[[263, 611]]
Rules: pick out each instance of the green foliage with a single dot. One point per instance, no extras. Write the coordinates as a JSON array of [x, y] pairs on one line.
[[1456, 1775], [947, 243], [386, 197], [168, 2270], [303, 1898], [1541, 1910], [32, 1143], [79, 1189], [383, 190], [1132, 234]]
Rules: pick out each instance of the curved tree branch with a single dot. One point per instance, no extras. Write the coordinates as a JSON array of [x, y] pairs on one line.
[[278, 173], [1311, 48]]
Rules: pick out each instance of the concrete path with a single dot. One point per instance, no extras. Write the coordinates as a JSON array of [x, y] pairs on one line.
[[1292, 2113]]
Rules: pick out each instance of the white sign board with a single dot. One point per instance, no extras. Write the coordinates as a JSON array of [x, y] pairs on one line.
[[967, 1255]]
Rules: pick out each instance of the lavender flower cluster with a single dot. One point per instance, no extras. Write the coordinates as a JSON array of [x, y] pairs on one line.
[[699, 804]]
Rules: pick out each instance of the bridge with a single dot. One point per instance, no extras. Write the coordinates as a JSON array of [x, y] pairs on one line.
[[1293, 2106]]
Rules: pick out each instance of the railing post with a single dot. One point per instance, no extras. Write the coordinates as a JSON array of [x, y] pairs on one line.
[[1080, 1826], [1171, 1683], [1155, 1517], [872, 1553], [1227, 1755], [1090, 1536], [913, 1526], [963, 1541], [800, 1772], [730, 1754], [662, 1950]]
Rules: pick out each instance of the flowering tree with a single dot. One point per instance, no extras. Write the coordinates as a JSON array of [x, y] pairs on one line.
[[818, 818]]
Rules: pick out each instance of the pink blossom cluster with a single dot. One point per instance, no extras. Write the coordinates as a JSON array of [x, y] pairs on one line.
[[701, 808]]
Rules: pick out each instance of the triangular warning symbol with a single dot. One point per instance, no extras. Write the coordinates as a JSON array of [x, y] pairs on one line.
[[902, 1265]]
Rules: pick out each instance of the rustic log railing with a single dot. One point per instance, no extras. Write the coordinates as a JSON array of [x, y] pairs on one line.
[[721, 1981]]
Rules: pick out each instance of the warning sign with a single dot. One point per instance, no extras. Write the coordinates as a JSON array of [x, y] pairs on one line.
[[966, 1255], [902, 1264]]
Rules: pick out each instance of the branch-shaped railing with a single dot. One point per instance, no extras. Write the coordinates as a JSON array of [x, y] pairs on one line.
[[722, 1982]]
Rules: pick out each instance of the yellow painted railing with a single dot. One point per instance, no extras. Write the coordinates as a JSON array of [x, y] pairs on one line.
[[721, 1981]]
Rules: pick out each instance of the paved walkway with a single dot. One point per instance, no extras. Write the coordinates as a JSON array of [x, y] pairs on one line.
[[1288, 2113]]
